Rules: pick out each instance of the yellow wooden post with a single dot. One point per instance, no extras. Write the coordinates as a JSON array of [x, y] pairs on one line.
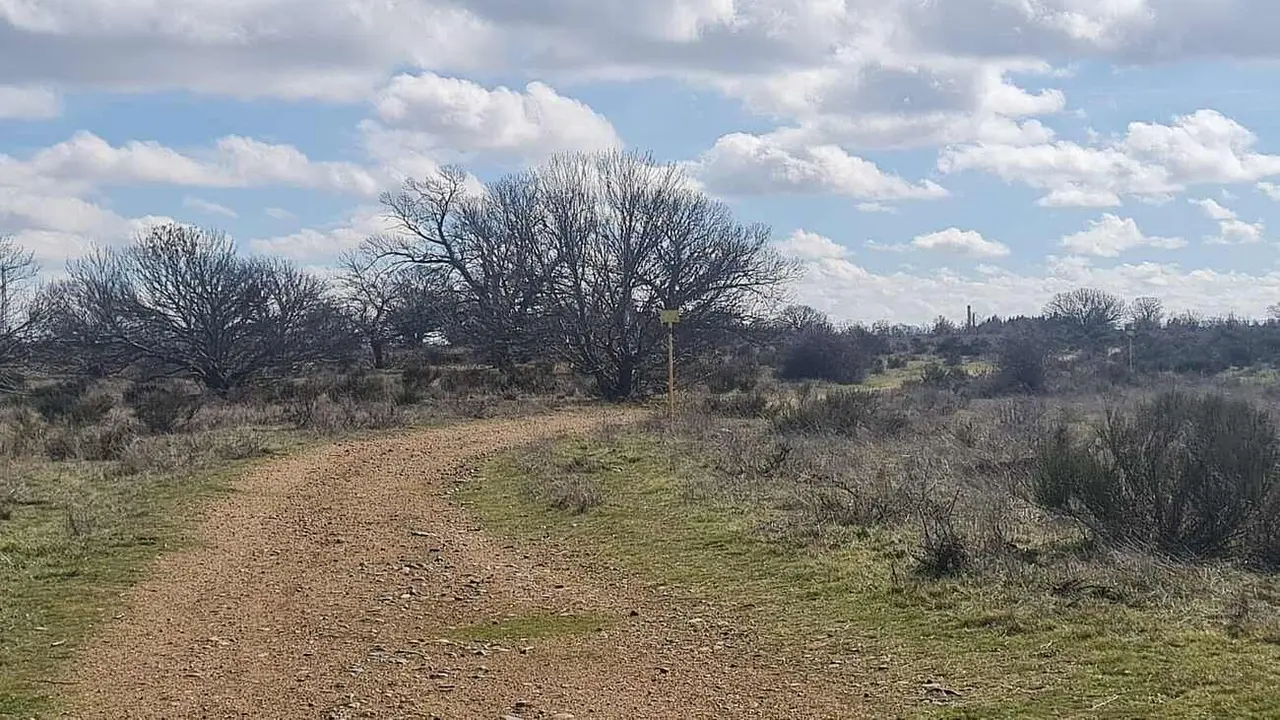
[[670, 318]]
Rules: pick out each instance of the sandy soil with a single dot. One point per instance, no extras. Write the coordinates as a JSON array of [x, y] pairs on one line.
[[342, 583]]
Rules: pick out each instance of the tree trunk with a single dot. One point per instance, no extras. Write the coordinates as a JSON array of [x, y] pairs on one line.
[[379, 350]]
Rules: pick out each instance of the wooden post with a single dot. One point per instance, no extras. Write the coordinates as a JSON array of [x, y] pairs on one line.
[[670, 318]]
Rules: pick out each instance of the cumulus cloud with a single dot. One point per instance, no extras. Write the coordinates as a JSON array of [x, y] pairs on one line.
[[744, 164], [1269, 189], [1111, 235], [805, 245], [968, 243], [86, 160], [433, 118], [317, 247], [1151, 161], [1231, 229]]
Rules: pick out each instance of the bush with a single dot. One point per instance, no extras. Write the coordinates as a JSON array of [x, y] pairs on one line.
[[739, 405], [1021, 367], [1186, 475], [163, 408], [575, 494], [69, 400], [944, 377], [826, 354], [841, 412]]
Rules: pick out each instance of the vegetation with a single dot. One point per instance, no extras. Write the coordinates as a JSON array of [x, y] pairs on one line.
[[1065, 514]]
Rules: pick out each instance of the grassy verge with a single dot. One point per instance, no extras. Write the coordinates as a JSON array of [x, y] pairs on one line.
[[78, 533], [976, 646]]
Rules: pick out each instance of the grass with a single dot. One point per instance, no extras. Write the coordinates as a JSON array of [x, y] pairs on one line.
[[80, 534], [1010, 647], [893, 378], [530, 627]]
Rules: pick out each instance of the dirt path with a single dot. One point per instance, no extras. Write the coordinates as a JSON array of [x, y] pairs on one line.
[[329, 584]]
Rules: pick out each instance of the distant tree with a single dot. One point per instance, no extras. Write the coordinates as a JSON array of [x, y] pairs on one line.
[[1087, 314], [796, 318], [1146, 313], [18, 270], [181, 302]]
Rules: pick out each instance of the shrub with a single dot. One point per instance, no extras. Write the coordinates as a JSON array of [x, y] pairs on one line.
[[945, 377], [826, 354], [841, 412], [1020, 367], [739, 405], [163, 407], [1186, 475], [575, 494], [69, 400]]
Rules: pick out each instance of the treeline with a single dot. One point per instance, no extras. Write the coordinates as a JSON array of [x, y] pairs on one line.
[[569, 261]]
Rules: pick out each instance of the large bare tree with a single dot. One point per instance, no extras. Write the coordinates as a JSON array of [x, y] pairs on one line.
[[18, 271], [630, 237], [490, 246], [180, 301]]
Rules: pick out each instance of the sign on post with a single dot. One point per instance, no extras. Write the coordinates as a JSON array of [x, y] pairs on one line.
[[670, 318]]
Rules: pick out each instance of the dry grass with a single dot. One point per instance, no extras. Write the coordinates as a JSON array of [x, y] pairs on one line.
[[917, 556]]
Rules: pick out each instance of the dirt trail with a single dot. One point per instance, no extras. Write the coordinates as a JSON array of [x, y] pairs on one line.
[[328, 584]]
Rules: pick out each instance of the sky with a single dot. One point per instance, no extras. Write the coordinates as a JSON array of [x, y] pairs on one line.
[[917, 156]]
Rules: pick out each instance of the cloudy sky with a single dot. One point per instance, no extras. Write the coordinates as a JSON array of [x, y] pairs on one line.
[[917, 155]]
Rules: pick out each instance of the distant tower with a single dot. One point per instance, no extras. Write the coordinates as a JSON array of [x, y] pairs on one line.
[[968, 317]]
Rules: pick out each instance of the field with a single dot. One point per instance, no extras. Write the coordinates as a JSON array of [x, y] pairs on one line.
[[876, 548]]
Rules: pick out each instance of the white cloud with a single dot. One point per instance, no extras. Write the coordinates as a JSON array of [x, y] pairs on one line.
[[28, 103], [744, 164], [313, 247], [57, 226], [1111, 235], [805, 245], [1151, 161], [1213, 209], [848, 291], [1271, 190], [450, 118], [968, 243], [279, 214], [327, 49], [207, 207], [87, 161], [1231, 229]]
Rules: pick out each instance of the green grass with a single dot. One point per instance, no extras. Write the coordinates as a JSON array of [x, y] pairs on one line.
[[79, 536], [530, 627], [1012, 651], [893, 378]]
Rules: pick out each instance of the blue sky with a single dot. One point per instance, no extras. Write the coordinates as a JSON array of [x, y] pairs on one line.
[[916, 157]]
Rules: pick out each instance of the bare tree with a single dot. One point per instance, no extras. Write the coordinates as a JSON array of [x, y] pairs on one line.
[[1146, 313], [490, 246], [798, 318], [1087, 313], [180, 301], [631, 237], [18, 270], [389, 301]]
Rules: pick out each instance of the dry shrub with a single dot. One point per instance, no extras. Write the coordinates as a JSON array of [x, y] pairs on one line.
[[575, 494], [1195, 476], [840, 412], [171, 453], [320, 413], [70, 401], [22, 432], [749, 404], [164, 407], [106, 440]]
